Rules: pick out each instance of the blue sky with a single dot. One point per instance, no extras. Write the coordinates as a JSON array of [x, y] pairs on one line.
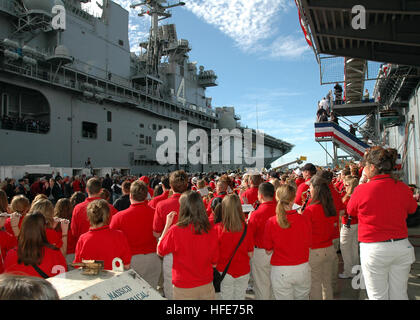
[[258, 50]]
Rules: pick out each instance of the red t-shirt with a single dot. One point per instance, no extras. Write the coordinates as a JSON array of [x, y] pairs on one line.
[[301, 189], [79, 222], [7, 242], [77, 186], [227, 244], [344, 218], [323, 230], [153, 203], [163, 208], [8, 225], [212, 185], [209, 210], [193, 255], [251, 196], [53, 263], [299, 181], [258, 220], [71, 242], [290, 246], [381, 206], [338, 204], [136, 223], [54, 237], [103, 244]]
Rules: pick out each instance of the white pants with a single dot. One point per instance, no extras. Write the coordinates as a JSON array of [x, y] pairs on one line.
[[349, 246], [385, 267], [234, 288], [167, 276], [261, 268], [291, 282]]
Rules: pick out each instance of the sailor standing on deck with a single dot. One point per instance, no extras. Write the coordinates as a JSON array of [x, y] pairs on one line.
[[381, 206]]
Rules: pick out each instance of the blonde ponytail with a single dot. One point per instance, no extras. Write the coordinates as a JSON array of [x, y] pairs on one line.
[[285, 194]]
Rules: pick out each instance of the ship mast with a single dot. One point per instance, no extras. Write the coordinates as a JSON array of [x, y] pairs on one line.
[[157, 12]]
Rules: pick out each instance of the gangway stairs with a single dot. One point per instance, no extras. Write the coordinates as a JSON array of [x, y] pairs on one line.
[[332, 132]]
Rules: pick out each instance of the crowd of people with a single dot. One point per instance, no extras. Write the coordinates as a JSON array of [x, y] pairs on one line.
[[277, 233], [20, 124]]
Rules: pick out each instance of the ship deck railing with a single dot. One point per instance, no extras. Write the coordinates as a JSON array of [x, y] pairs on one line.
[[130, 96]]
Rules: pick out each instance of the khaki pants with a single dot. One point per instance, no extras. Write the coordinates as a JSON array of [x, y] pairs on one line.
[[167, 276], [336, 245], [234, 288], [261, 268], [148, 266], [205, 292], [321, 262], [349, 248], [291, 282]]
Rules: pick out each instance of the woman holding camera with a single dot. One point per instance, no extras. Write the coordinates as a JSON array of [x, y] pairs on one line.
[[382, 206]]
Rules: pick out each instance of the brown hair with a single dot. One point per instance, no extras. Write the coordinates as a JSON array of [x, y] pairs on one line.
[[94, 186], [76, 198], [232, 215], [32, 239], [256, 180], [63, 209], [98, 212], [353, 182], [322, 195], [45, 207], [20, 204], [4, 204], [285, 195], [17, 287], [276, 183], [383, 159], [192, 211], [39, 197], [139, 190], [201, 184], [126, 186], [178, 181], [267, 190]]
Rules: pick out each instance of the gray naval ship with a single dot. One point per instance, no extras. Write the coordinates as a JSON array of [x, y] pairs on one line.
[[71, 89]]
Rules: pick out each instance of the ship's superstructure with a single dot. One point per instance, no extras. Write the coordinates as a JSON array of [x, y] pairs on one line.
[[70, 89]]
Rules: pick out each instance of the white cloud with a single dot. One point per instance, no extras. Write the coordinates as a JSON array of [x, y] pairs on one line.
[[252, 25]]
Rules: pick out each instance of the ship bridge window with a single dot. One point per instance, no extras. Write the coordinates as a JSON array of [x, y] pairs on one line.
[[109, 116], [89, 130], [23, 109]]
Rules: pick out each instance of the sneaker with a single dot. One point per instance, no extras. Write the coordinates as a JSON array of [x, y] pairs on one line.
[[344, 276]]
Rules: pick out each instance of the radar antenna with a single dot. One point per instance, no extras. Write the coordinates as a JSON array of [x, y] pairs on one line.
[[158, 12]]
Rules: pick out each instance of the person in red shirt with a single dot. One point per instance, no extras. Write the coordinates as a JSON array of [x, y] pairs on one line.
[[178, 180], [260, 262], [340, 210], [308, 171], [382, 206], [101, 242], [63, 210], [146, 180], [7, 242], [165, 195], [250, 196], [221, 192], [20, 205], [79, 221], [348, 236], [287, 238], [136, 223], [56, 238], [77, 185], [34, 256], [195, 249], [229, 232], [322, 215]]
